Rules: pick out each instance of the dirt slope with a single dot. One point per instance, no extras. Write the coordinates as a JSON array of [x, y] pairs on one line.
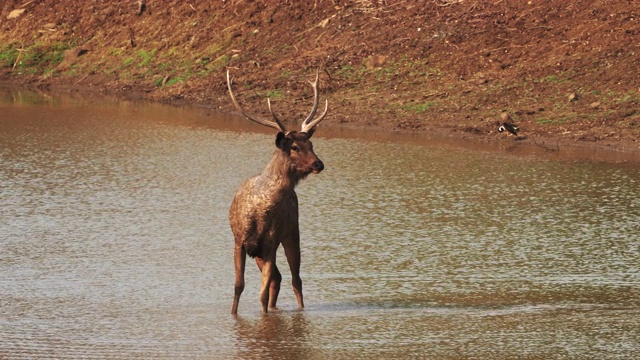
[[562, 71]]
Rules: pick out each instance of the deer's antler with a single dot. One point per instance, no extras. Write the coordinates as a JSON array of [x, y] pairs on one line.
[[278, 125], [307, 124]]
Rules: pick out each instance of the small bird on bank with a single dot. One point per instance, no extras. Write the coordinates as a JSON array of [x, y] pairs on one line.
[[507, 124], [510, 128]]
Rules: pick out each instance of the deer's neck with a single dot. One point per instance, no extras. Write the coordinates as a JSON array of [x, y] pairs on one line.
[[281, 173]]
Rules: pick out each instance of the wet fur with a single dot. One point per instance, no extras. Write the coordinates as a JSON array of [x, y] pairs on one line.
[[264, 214]]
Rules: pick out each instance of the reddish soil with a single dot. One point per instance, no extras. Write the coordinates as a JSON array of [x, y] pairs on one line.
[[565, 72]]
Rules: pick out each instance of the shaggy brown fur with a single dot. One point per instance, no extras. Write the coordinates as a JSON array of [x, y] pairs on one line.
[[264, 214]]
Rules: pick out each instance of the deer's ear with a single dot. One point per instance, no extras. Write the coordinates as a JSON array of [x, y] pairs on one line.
[[281, 140]]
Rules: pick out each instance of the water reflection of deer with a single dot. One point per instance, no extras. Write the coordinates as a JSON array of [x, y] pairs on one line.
[[280, 336]]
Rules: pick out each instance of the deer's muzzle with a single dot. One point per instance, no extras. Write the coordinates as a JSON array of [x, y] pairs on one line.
[[317, 166]]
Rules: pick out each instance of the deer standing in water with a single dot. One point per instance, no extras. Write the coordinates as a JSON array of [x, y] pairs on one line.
[[264, 211]]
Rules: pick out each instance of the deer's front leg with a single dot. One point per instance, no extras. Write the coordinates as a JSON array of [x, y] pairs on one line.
[[292, 252]]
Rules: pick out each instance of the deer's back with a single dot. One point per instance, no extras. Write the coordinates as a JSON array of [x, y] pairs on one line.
[[262, 216]]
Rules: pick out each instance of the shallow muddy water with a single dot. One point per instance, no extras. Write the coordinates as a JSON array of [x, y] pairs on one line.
[[114, 243]]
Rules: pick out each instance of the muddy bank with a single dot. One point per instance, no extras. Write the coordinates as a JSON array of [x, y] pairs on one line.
[[565, 75]]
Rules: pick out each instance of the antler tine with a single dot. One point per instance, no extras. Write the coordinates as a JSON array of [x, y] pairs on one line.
[[316, 99], [307, 127], [278, 125], [278, 121]]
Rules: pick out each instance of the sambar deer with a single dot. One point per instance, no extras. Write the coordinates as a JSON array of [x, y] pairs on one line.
[[264, 211]]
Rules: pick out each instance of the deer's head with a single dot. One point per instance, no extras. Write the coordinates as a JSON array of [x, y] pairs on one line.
[[295, 145]]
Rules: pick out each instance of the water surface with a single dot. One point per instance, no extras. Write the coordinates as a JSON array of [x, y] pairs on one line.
[[114, 243]]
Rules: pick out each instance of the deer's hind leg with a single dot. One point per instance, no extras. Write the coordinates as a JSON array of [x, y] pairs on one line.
[[275, 278], [239, 257]]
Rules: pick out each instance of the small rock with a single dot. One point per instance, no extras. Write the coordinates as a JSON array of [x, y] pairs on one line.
[[70, 56], [74, 53], [573, 97], [324, 23], [375, 61], [595, 105], [15, 13]]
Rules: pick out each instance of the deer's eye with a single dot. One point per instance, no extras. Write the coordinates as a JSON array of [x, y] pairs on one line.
[[295, 148]]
